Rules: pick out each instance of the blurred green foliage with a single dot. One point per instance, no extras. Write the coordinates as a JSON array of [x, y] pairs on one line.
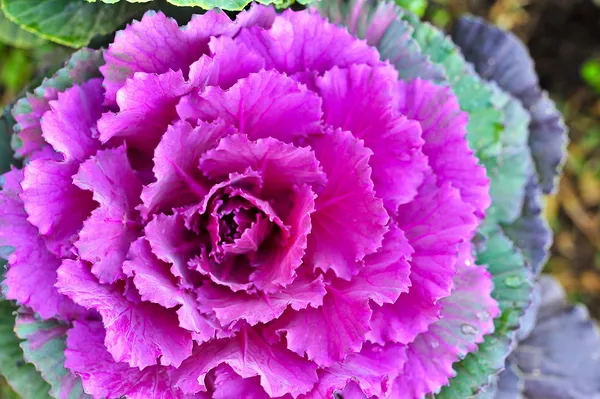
[[590, 71], [5, 391], [418, 7], [22, 68], [17, 69]]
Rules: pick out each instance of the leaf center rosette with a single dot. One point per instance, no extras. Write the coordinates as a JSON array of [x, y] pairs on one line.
[[251, 208]]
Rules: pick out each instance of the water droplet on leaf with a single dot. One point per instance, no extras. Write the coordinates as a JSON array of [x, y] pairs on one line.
[[514, 281], [483, 316], [468, 329]]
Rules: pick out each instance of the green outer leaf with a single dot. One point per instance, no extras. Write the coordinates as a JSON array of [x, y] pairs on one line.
[[512, 289], [473, 372], [69, 22], [21, 376], [497, 131], [474, 96], [44, 343], [510, 171], [12, 34], [512, 279]]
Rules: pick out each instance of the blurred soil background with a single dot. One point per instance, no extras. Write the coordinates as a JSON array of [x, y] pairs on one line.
[[563, 37]]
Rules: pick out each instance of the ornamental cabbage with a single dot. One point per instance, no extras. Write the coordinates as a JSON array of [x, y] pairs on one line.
[[260, 208]]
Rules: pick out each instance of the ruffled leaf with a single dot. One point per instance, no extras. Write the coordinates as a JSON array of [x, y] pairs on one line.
[[343, 320], [359, 99], [146, 107], [435, 223], [140, 334], [102, 377], [248, 354], [176, 158], [342, 323], [531, 232], [444, 130], [134, 48], [70, 125], [115, 216], [281, 165], [156, 284], [337, 242], [228, 384], [31, 275], [53, 203], [467, 316], [509, 385], [230, 61], [510, 171], [277, 267], [368, 373], [302, 42], [266, 104], [230, 307], [385, 275], [171, 242], [381, 25], [81, 67]]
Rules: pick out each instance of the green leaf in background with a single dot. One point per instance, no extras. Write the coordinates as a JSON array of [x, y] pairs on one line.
[[20, 375], [70, 22], [16, 71], [116, 1], [228, 5], [417, 7], [6, 392], [44, 343], [590, 72], [6, 155], [12, 34], [231, 5]]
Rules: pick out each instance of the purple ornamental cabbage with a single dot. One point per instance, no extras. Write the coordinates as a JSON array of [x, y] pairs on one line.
[[255, 208]]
